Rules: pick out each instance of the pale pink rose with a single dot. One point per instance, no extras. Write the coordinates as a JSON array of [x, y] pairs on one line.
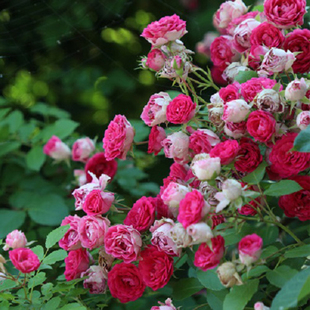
[[71, 240], [256, 55], [118, 138], [168, 28], [161, 237], [156, 137], [237, 21], [202, 141], [180, 236], [56, 149], [296, 90], [235, 130], [260, 306], [275, 61], [236, 111], [227, 12], [154, 113], [216, 109], [199, 232], [172, 196], [204, 167], [303, 120], [92, 230], [176, 147], [250, 248], [97, 281], [81, 193], [123, 242], [98, 202], [82, 149], [204, 46], [15, 239], [165, 306], [155, 59], [80, 176], [269, 100], [242, 34]]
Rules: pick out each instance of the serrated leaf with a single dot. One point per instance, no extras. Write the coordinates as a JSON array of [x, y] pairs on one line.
[[239, 296], [35, 158], [302, 141], [37, 280], [284, 187], [55, 256], [61, 128], [279, 276], [39, 251], [301, 251], [185, 288], [210, 280], [54, 236], [257, 175], [8, 284], [244, 76]]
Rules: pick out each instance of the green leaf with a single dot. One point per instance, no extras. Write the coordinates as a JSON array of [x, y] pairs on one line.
[[258, 271], [46, 288], [186, 287], [37, 280], [8, 147], [35, 158], [216, 299], [269, 251], [302, 141], [173, 93], [268, 233], [39, 251], [54, 236], [141, 130], [8, 284], [61, 128], [257, 175], [14, 120], [10, 220], [181, 261], [293, 291], [49, 209], [244, 76], [55, 256], [210, 280], [301, 251], [46, 110], [279, 276], [73, 306], [284, 187], [52, 304], [239, 296], [259, 8]]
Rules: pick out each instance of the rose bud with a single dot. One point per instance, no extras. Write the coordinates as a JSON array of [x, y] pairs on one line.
[[228, 275], [82, 148], [296, 90], [199, 232], [303, 120], [15, 239], [165, 306], [56, 149], [97, 281], [155, 59], [250, 249], [260, 306], [236, 111], [204, 167]]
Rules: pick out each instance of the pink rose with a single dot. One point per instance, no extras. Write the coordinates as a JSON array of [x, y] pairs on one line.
[[15, 239], [176, 147], [285, 14], [181, 110], [80, 194], [252, 87], [204, 46], [299, 41], [226, 151], [269, 100], [199, 233], [161, 237], [162, 210], [71, 240], [235, 130], [206, 258], [204, 167], [97, 280], [296, 90], [250, 248], [192, 208], [217, 75], [156, 137], [222, 52], [202, 140], [92, 230], [125, 282], [56, 149], [123, 242], [261, 125], [76, 262], [118, 138], [237, 21], [82, 148], [229, 93], [168, 28], [242, 34], [178, 171], [303, 120], [24, 260], [165, 306], [257, 53], [155, 59], [142, 214], [98, 202], [154, 113], [236, 111]]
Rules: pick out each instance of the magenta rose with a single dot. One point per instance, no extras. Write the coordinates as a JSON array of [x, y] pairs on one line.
[[71, 240], [142, 214], [250, 248], [24, 260], [202, 141], [229, 93], [92, 230], [178, 171], [56, 149], [285, 162], [97, 280], [123, 242], [226, 151], [162, 210], [261, 125], [125, 282], [155, 59], [168, 28], [285, 14], [156, 267], [98, 165], [15, 239], [299, 41], [82, 148], [156, 137], [192, 208], [206, 258], [76, 262], [181, 109], [98, 202]]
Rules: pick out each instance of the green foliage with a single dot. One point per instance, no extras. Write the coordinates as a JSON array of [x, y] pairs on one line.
[[302, 141], [54, 236], [210, 280], [244, 76], [257, 175], [284, 187], [186, 287]]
